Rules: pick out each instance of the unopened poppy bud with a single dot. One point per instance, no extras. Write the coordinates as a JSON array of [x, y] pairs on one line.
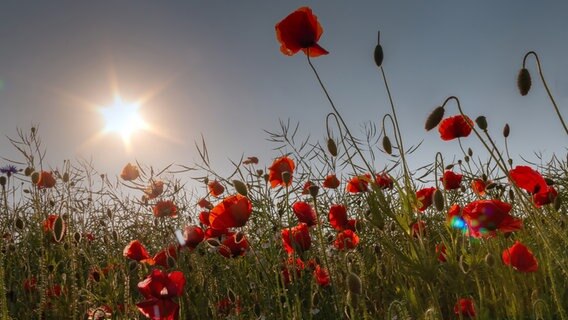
[[114, 235], [438, 199], [506, 130], [259, 172], [484, 177], [28, 171], [481, 122], [378, 55], [77, 237], [434, 118], [58, 229], [2, 181], [549, 182], [490, 186], [557, 203], [266, 177], [109, 213], [314, 190], [19, 223], [50, 268], [466, 159], [240, 187], [171, 262], [469, 152], [387, 146], [286, 177], [510, 161], [352, 299], [463, 265], [524, 81], [449, 167], [332, 147], [490, 260], [132, 265], [354, 283], [206, 180], [213, 242], [65, 177], [35, 177]]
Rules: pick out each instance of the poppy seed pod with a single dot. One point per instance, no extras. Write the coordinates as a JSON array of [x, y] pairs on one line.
[[332, 147], [19, 223], [481, 122], [434, 118], [387, 146], [506, 130], [524, 81], [490, 260]]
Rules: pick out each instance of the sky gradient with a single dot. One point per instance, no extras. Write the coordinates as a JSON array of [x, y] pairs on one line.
[[214, 68]]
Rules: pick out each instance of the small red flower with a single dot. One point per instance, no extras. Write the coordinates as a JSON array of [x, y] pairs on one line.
[[300, 30], [464, 308], [46, 180], [251, 160], [441, 252], [234, 211], [159, 289], [204, 218], [322, 276], [30, 284], [418, 229], [305, 213], [296, 238], [234, 245], [215, 233], [384, 181], [306, 188], [346, 239], [455, 127], [279, 166], [205, 204], [520, 258], [478, 187], [359, 183], [451, 180], [136, 251], [424, 197], [338, 216], [484, 217], [288, 266], [129, 172], [161, 258], [215, 188], [154, 190], [331, 182], [193, 236], [545, 197], [528, 179], [165, 208]]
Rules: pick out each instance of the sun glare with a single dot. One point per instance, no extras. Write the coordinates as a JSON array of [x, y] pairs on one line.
[[124, 119]]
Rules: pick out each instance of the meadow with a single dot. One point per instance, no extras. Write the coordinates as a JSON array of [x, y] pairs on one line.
[[317, 233]]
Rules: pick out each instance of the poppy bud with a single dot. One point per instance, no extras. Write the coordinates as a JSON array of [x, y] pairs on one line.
[[332, 147], [469, 152], [463, 265], [58, 229], [506, 130], [484, 177], [114, 235], [490, 260], [286, 177], [171, 262], [354, 283], [132, 265], [378, 55], [65, 177], [481, 122], [524, 81], [449, 167], [109, 214], [2, 181], [510, 161], [549, 182], [438, 199], [259, 172], [28, 171], [213, 242], [240, 187], [35, 177], [314, 190], [434, 118], [77, 237], [490, 186], [387, 146], [19, 223], [557, 203], [466, 158]]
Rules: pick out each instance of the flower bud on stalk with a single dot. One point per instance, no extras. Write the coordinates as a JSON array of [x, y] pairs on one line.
[[524, 81], [332, 147], [481, 123], [506, 130], [387, 146], [434, 118]]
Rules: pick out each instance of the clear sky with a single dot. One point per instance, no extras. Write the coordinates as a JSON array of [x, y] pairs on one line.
[[214, 68]]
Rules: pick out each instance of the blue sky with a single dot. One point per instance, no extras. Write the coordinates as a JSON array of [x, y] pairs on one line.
[[214, 68]]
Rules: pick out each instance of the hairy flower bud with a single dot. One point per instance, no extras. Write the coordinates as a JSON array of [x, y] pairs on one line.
[[434, 118], [241, 187], [524, 81], [332, 147], [506, 130], [387, 146], [354, 283], [481, 122], [438, 199]]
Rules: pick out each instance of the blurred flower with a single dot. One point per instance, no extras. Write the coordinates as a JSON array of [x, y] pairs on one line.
[[528, 179], [359, 183], [545, 197], [520, 257], [30, 284], [8, 170], [193, 236], [300, 30], [204, 203], [384, 181], [424, 197], [455, 127], [346, 239], [441, 252], [451, 180], [225, 307], [159, 289], [322, 276], [165, 208], [331, 182], [234, 211], [129, 172], [49, 228], [305, 213], [278, 167], [484, 217], [204, 218], [234, 245], [215, 188], [338, 216], [296, 238], [306, 188], [478, 187], [154, 190], [464, 308], [161, 258], [46, 180], [136, 251], [289, 265], [215, 233], [418, 229], [251, 160]]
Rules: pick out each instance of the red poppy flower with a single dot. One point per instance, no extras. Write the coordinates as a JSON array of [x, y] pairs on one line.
[[455, 127], [159, 288], [215, 233], [520, 257], [234, 245], [45, 180], [305, 213], [49, 227], [384, 181], [331, 182], [359, 183], [485, 217], [451, 180], [418, 229], [225, 307], [279, 166], [234, 211], [528, 179], [296, 238], [129, 172], [338, 216], [464, 308], [154, 190], [322, 276], [162, 309], [251, 160], [478, 187], [289, 265], [193, 236], [54, 291], [306, 188], [136, 251], [424, 197], [204, 218], [215, 188], [300, 30], [346, 239], [165, 208], [204, 203], [441, 252], [545, 197], [30, 284], [161, 258]]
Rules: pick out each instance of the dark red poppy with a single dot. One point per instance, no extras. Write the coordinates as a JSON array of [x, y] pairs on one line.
[[384, 181], [464, 308], [338, 216], [204, 218], [478, 187], [251, 160], [545, 196], [154, 190], [30, 284], [234, 245], [424, 197], [204, 203], [528, 179], [48, 227], [165, 208], [136, 251], [305, 213], [159, 289], [226, 306], [129, 172], [455, 127], [161, 258], [300, 30], [215, 188], [359, 183], [215, 233], [520, 257], [331, 182], [296, 238], [279, 166], [289, 265], [193, 236], [306, 188], [45, 180], [322, 276], [346, 239], [441, 252], [485, 217], [418, 229], [234, 211], [451, 180]]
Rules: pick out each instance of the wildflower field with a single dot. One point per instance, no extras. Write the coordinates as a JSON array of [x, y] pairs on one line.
[[317, 233]]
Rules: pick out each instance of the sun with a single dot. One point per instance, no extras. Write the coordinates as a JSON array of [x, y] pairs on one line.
[[124, 119]]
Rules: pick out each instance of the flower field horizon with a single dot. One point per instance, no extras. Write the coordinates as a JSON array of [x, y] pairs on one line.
[[318, 232]]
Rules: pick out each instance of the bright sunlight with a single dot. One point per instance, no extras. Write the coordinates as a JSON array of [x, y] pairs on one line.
[[123, 118]]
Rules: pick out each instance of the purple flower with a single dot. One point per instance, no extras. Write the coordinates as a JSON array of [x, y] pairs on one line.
[[8, 170]]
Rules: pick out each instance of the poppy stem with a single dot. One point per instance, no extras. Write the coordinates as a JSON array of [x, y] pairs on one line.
[[436, 162], [545, 87]]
